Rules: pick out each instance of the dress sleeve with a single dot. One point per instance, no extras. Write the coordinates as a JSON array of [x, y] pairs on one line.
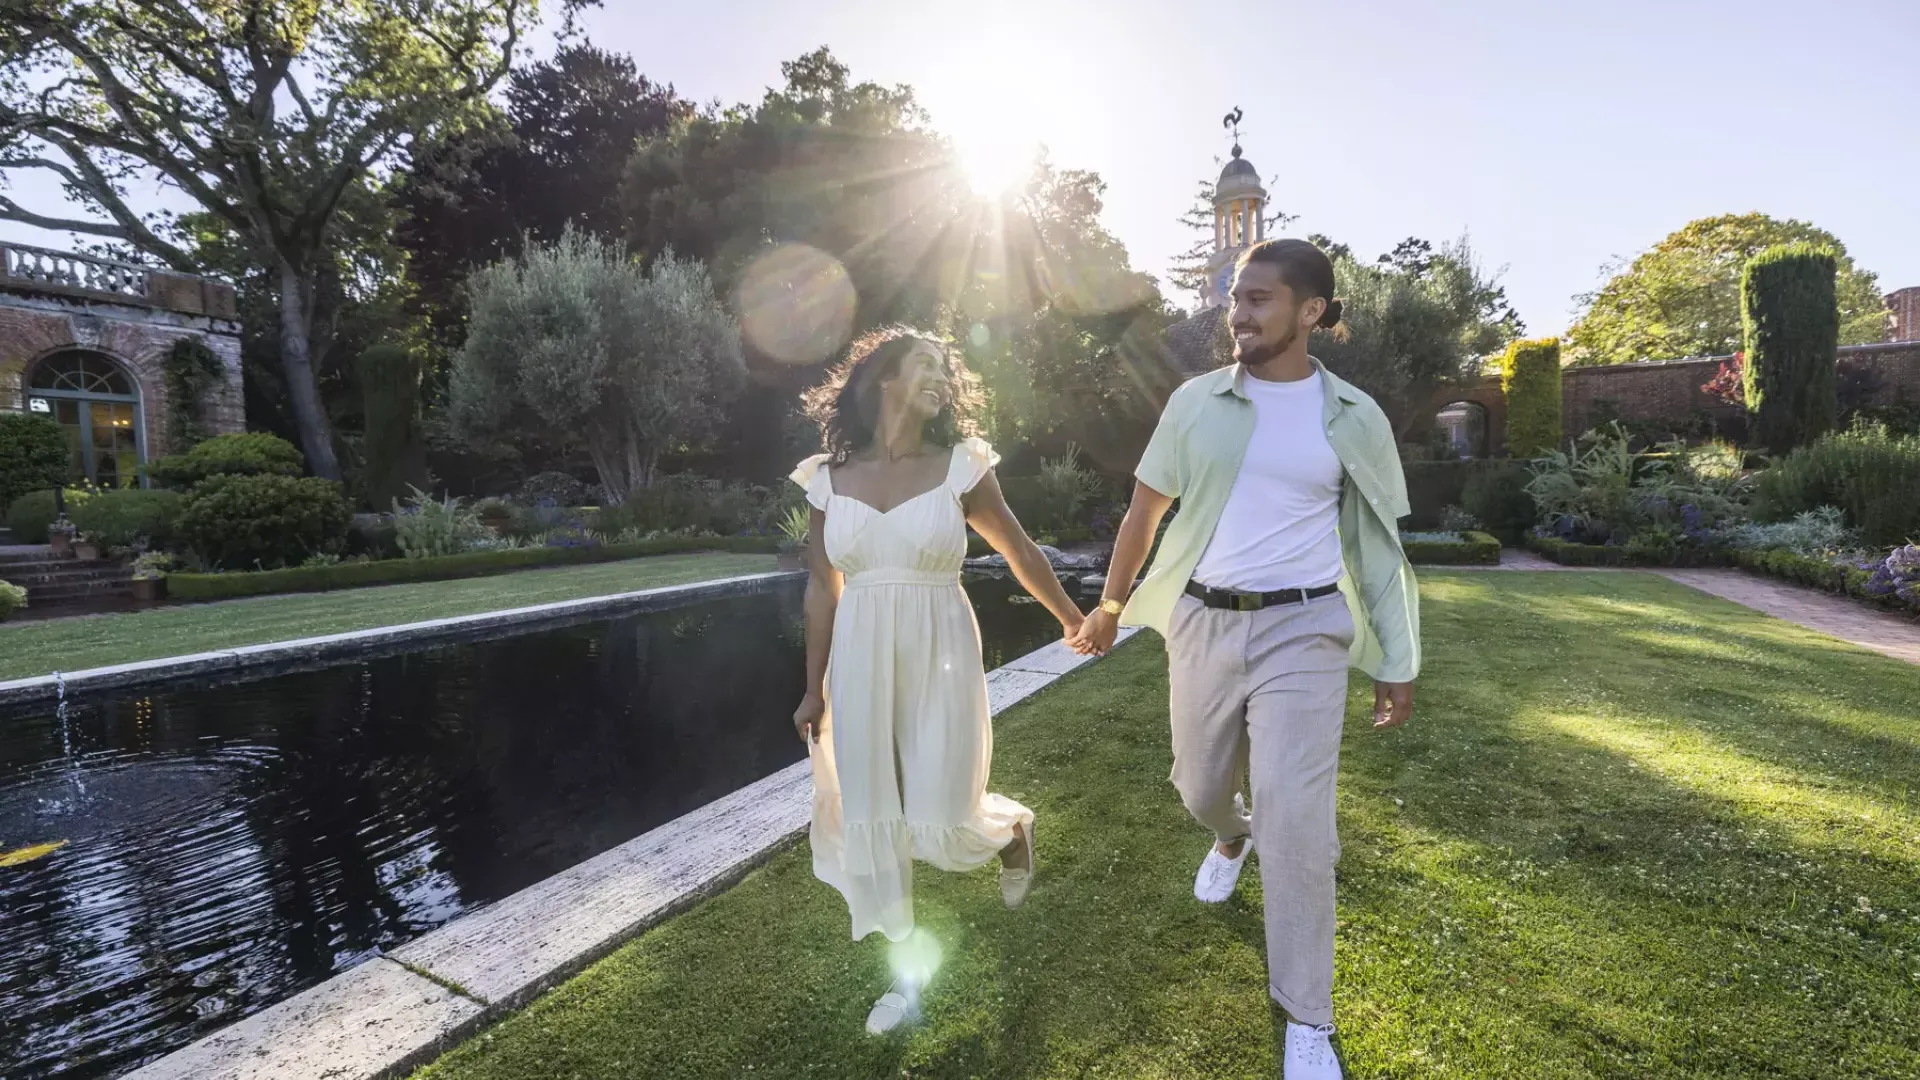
[[972, 459], [814, 475]]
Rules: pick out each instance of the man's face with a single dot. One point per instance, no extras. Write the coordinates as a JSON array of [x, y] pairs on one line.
[[1265, 317]]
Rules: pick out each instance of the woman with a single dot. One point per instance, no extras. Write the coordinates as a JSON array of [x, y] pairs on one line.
[[897, 723]]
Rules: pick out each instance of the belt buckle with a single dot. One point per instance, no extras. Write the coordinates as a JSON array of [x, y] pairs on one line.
[[1248, 601]]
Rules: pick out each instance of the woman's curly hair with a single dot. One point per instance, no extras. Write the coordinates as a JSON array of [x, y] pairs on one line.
[[847, 405]]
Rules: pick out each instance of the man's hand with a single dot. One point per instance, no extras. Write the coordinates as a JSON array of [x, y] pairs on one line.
[[1096, 633], [1392, 704]]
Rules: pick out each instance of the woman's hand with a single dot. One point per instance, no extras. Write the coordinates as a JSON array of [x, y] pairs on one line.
[[1070, 629], [810, 719]]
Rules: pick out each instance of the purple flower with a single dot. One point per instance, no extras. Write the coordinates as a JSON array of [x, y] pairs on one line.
[[1905, 561]]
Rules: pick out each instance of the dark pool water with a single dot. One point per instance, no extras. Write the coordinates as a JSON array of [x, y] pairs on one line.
[[228, 846]]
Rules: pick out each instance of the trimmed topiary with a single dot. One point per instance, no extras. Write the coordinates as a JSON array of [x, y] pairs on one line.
[[250, 454], [124, 517], [394, 456], [1530, 377], [1792, 322], [34, 455], [243, 522]]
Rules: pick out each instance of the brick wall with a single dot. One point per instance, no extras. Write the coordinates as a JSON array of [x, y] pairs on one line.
[[1903, 306], [1670, 389], [139, 339]]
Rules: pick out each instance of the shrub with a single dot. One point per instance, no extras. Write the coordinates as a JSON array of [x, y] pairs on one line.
[[426, 527], [1065, 488], [1453, 519], [152, 565], [1468, 548], [562, 489], [1497, 495], [34, 455], [29, 516], [1434, 485], [1815, 532], [248, 454], [1791, 317], [794, 528], [1869, 474], [128, 517], [263, 520], [349, 575], [1530, 377], [12, 598], [688, 502]]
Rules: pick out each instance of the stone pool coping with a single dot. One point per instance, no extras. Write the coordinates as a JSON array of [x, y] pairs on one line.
[[246, 661], [395, 1013]]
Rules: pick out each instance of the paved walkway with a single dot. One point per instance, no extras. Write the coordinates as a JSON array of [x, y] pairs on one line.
[[1835, 616]]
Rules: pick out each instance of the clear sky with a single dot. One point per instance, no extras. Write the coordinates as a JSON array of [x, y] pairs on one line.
[[1558, 135]]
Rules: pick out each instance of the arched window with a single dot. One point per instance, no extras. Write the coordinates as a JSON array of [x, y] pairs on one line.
[[98, 405], [1462, 429]]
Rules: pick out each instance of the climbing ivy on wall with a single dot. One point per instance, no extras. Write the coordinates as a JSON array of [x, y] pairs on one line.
[[192, 370]]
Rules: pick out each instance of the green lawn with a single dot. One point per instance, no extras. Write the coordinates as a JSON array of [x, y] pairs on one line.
[[30, 648], [1633, 832]]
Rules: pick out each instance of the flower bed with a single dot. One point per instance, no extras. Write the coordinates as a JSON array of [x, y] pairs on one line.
[[349, 575], [1892, 582], [1471, 548]]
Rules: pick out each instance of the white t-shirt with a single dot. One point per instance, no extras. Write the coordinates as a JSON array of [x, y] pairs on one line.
[[1281, 525]]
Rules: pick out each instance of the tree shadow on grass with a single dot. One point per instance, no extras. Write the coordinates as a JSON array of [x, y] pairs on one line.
[[1604, 915]]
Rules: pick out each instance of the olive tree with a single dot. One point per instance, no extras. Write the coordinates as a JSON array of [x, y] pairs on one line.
[[577, 337]]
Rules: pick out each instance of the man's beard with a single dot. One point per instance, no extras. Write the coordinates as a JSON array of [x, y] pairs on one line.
[[1260, 353]]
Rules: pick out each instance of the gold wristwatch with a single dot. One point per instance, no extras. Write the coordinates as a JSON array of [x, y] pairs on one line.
[[1111, 606]]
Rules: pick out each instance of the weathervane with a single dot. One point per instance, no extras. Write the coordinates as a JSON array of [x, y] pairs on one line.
[[1232, 123]]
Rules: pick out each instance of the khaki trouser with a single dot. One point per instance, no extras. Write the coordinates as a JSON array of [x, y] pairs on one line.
[[1264, 693]]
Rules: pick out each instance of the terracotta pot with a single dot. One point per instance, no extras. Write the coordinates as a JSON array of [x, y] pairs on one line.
[[793, 560], [149, 590], [86, 550], [61, 542]]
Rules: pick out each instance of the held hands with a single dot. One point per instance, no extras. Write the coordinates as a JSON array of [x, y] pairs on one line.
[[810, 719], [1392, 704], [1096, 635]]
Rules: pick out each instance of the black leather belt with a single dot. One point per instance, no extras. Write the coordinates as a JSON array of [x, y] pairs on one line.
[[1229, 600]]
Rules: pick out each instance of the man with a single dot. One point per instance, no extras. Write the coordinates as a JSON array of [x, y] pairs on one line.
[[1290, 493]]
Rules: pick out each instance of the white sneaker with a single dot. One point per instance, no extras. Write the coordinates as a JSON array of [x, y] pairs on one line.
[[1310, 1053], [899, 1005], [1219, 874]]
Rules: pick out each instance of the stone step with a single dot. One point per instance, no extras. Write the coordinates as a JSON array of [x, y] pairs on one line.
[[64, 576], [23, 554], [15, 571], [44, 596]]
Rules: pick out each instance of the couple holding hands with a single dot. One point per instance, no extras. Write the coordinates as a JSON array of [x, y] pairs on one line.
[[1282, 569]]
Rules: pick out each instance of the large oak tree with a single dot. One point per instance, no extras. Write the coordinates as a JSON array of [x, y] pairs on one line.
[[1682, 297], [269, 114]]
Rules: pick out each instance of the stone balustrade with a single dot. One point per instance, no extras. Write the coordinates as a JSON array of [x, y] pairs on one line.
[[31, 269]]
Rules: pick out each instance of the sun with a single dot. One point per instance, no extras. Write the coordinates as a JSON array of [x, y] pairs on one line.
[[996, 162]]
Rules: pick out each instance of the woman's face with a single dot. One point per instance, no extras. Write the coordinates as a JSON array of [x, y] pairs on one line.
[[922, 385]]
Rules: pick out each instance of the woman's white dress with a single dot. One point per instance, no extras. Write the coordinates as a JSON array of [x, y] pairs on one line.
[[903, 773]]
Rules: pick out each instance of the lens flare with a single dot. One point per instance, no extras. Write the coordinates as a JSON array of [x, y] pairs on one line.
[[796, 304], [915, 959]]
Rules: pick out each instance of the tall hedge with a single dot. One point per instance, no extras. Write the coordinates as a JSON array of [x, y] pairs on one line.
[[33, 455], [394, 451], [1530, 377], [1792, 322]]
